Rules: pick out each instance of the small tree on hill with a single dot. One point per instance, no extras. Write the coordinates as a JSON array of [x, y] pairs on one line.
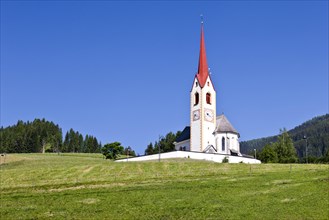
[[149, 150], [112, 150], [129, 151], [268, 154], [285, 149]]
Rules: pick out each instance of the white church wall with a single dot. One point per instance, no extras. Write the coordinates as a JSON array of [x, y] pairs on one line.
[[195, 134], [238, 144], [193, 155], [231, 142], [208, 127], [219, 146], [183, 145]]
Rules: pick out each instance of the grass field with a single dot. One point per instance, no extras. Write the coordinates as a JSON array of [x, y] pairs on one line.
[[85, 186]]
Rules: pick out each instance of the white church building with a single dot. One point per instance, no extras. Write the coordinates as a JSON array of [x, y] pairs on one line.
[[209, 137], [207, 132]]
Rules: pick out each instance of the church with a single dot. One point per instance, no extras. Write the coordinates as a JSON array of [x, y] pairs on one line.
[[209, 137], [207, 132]]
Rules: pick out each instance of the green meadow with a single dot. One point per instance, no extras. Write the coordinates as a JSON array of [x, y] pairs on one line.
[[85, 186]]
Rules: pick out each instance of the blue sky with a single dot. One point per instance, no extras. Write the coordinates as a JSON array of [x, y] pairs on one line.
[[122, 70]]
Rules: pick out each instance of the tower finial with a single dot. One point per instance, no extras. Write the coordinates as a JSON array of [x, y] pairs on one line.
[[201, 16]]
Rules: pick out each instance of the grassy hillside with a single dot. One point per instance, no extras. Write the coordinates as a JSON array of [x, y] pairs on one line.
[[83, 186], [316, 130]]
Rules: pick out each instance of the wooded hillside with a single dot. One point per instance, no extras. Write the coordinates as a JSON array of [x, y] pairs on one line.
[[44, 136], [316, 130]]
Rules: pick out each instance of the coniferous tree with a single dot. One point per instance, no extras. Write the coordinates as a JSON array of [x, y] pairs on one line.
[[268, 154], [166, 144], [66, 143], [149, 149], [129, 151], [95, 145], [285, 149], [81, 143]]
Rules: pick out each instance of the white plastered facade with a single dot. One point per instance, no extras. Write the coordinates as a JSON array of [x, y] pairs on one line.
[[227, 141], [202, 128], [183, 145]]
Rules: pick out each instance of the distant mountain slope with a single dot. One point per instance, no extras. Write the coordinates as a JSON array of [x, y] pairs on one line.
[[316, 129]]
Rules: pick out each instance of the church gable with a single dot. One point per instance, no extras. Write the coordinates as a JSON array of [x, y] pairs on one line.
[[210, 150], [196, 84], [209, 83]]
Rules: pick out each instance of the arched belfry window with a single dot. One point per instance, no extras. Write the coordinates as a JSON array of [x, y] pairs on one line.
[[208, 98], [196, 98], [223, 144]]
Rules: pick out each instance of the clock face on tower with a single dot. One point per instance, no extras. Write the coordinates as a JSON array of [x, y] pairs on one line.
[[196, 115], [208, 115]]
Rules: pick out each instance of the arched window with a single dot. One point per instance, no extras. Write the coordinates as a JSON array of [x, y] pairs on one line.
[[196, 98], [223, 144], [208, 98]]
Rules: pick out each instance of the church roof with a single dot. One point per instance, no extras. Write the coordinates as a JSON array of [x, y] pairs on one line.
[[185, 135], [203, 66], [223, 125]]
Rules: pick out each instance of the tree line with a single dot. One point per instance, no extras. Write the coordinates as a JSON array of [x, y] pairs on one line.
[[315, 131], [164, 144], [75, 142], [44, 136], [283, 151]]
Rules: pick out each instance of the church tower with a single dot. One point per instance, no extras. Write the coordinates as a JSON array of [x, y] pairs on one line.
[[203, 105]]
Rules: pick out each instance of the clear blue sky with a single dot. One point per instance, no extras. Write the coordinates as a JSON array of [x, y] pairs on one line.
[[122, 71]]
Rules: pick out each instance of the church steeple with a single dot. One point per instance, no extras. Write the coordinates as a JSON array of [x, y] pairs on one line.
[[203, 104], [203, 66]]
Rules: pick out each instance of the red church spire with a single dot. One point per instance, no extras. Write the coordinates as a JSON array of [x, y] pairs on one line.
[[203, 66]]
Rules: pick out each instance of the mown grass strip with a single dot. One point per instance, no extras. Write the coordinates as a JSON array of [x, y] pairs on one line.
[[83, 187]]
